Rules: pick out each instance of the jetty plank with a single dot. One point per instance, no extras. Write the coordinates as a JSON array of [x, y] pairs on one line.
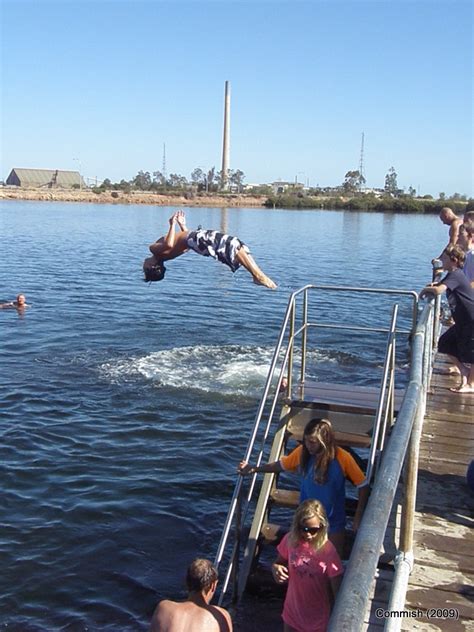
[[443, 576]]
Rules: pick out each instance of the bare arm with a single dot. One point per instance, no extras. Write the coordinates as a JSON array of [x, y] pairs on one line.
[[164, 245], [245, 468], [335, 583], [361, 503], [438, 288], [170, 237], [228, 620], [280, 570]]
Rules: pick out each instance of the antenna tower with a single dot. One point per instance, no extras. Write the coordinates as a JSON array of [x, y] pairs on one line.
[[361, 162], [163, 169]]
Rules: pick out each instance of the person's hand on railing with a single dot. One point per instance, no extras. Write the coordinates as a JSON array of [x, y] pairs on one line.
[[245, 468]]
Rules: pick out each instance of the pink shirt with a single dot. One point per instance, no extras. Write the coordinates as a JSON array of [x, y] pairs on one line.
[[307, 604]]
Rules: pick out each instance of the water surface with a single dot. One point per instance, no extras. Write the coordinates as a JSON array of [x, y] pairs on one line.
[[125, 406]]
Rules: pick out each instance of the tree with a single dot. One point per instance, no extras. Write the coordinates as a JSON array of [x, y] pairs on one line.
[[211, 179], [176, 181], [236, 179], [391, 185], [351, 180], [124, 185], [197, 176], [142, 181], [442, 196], [159, 179], [411, 192], [106, 184]]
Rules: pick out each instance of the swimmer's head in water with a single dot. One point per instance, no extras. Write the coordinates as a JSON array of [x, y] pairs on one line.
[[154, 272]]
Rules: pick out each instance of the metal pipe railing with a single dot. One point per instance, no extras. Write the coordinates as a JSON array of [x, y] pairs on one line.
[[354, 595], [405, 559], [383, 387]]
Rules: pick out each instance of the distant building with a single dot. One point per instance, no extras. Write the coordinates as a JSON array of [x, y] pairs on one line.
[[47, 178], [281, 187]]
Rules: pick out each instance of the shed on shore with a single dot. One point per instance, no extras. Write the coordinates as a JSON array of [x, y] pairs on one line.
[[47, 178]]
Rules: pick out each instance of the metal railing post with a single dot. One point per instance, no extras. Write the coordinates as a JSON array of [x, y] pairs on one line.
[[290, 339], [304, 336]]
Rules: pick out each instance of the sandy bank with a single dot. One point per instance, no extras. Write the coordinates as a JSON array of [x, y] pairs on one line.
[[58, 195]]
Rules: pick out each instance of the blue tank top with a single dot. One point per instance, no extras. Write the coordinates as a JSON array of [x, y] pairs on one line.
[[331, 494]]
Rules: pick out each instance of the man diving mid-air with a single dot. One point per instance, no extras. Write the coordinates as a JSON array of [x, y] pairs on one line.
[[209, 243]]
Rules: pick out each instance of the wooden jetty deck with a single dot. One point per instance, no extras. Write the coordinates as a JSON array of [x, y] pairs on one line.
[[443, 576]]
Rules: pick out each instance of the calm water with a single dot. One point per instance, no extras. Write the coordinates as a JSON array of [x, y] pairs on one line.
[[125, 406]]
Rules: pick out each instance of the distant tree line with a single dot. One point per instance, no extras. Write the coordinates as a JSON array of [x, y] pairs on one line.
[[369, 202], [352, 195], [209, 181]]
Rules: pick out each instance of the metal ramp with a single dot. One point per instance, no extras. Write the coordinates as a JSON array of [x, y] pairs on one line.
[[362, 417]]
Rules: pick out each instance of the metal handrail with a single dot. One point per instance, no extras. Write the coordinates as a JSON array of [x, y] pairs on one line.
[[387, 371], [354, 595], [287, 364]]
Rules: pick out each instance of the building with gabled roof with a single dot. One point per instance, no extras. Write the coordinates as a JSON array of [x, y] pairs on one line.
[[47, 178]]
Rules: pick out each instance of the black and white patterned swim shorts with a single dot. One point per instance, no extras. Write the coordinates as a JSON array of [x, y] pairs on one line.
[[210, 243]]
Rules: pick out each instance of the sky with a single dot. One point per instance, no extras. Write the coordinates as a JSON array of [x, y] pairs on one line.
[[101, 86]]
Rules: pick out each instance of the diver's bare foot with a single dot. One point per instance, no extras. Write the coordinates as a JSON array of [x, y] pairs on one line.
[[463, 388], [265, 281]]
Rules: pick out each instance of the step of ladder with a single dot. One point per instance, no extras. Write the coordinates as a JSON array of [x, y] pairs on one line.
[[340, 397]]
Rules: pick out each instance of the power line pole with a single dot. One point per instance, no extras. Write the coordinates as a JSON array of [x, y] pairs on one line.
[[361, 163]]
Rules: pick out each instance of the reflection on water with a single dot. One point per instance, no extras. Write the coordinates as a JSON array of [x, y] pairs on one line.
[[126, 406]]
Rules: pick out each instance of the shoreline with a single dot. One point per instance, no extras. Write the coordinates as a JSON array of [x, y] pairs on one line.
[[235, 200], [141, 197]]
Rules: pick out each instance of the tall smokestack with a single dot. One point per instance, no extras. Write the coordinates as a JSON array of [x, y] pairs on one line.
[[226, 143]]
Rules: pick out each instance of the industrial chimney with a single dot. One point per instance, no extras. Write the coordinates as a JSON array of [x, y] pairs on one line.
[[226, 143]]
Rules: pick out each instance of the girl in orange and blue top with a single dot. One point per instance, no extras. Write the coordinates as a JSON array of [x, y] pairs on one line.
[[324, 468], [309, 563]]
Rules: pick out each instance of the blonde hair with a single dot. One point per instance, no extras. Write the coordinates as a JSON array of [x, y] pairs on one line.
[[306, 511], [320, 429]]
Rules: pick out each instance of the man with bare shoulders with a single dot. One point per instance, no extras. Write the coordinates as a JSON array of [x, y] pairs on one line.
[[195, 614], [229, 250], [19, 303], [454, 222]]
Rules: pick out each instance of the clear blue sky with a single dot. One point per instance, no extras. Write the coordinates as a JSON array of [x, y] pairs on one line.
[[108, 82]]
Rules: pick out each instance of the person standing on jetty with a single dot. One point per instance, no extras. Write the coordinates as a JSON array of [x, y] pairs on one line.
[[458, 340], [195, 614], [229, 250], [449, 218]]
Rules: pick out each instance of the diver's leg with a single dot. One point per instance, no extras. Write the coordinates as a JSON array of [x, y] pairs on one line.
[[249, 264]]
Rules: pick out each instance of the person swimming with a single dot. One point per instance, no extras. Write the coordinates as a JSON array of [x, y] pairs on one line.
[[19, 303]]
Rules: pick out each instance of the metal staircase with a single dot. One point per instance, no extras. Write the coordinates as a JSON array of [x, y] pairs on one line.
[[361, 416]]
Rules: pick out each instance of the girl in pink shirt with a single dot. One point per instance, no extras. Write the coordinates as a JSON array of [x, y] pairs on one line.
[[308, 561]]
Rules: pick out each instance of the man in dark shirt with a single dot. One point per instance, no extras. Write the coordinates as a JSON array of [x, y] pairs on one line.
[[457, 341]]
